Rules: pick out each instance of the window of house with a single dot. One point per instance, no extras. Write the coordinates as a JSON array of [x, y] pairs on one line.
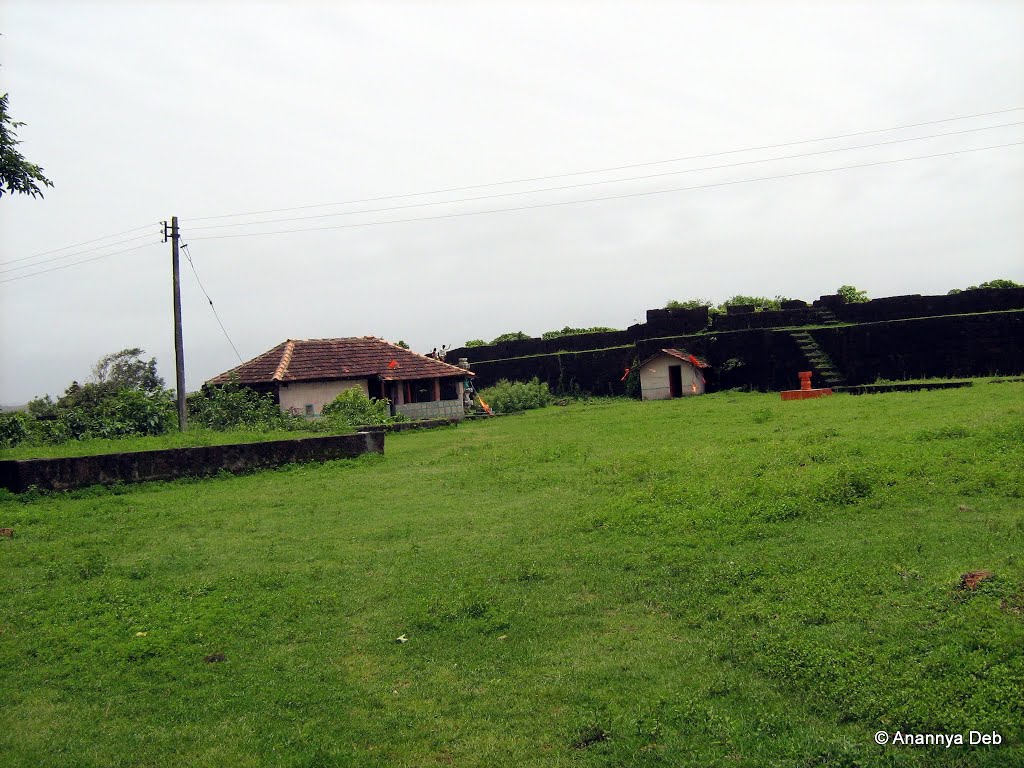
[[309, 409]]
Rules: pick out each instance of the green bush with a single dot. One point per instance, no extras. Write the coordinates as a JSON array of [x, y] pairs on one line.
[[567, 331], [475, 343], [688, 304], [132, 412], [852, 295], [14, 429], [232, 406], [512, 336], [353, 408], [511, 396], [633, 389]]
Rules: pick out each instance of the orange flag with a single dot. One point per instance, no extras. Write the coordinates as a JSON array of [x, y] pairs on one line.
[[485, 406]]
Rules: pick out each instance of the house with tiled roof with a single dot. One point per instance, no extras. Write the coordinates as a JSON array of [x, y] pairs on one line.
[[671, 373], [304, 375]]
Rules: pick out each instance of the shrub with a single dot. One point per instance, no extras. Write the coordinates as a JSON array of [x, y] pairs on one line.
[[353, 408], [688, 304], [132, 412], [997, 283], [633, 388], [758, 302], [567, 331], [512, 396], [235, 407], [13, 429], [475, 343], [511, 336], [852, 295]]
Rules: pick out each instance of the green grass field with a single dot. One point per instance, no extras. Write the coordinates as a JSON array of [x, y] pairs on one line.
[[720, 581]]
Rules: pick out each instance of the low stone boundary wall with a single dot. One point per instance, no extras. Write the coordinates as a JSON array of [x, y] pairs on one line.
[[172, 463], [405, 426]]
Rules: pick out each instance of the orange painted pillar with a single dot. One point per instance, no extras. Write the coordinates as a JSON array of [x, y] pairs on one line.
[[437, 390], [805, 379]]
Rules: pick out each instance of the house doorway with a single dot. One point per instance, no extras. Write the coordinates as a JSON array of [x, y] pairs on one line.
[[675, 380]]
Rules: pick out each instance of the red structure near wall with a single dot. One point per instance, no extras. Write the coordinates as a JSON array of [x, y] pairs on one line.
[[806, 391]]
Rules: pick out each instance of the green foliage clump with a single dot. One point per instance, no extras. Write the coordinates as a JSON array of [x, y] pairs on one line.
[[688, 304], [512, 396], [127, 370], [762, 303], [92, 410], [231, 406], [352, 408], [633, 380], [997, 283], [511, 336], [567, 331], [14, 429], [852, 295], [757, 302], [475, 343], [16, 173]]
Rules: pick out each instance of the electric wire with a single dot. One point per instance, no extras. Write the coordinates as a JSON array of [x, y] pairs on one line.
[[612, 197], [606, 181], [188, 255], [72, 255], [77, 263], [76, 245], [611, 168]]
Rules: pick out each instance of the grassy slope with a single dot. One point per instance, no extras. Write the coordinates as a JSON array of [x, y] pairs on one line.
[[728, 580]]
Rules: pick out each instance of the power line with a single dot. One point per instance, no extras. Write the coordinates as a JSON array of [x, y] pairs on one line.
[[76, 245], [607, 181], [70, 255], [188, 255], [612, 168], [77, 263], [611, 197]]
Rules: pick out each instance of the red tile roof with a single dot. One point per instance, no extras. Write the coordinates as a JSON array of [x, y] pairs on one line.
[[348, 358], [686, 357]]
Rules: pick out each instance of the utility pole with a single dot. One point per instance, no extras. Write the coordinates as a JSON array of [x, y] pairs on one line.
[[179, 347]]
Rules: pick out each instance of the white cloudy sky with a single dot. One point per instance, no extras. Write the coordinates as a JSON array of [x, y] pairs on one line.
[[142, 110]]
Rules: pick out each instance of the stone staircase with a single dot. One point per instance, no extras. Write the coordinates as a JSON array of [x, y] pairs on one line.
[[826, 316], [817, 361]]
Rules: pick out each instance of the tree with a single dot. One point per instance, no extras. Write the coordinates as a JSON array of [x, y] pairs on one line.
[[127, 370], [852, 295], [511, 336], [16, 173]]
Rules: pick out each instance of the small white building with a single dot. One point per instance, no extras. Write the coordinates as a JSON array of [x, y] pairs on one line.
[[671, 373]]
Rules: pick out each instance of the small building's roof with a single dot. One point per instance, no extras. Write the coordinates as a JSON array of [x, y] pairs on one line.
[[330, 359], [686, 357]]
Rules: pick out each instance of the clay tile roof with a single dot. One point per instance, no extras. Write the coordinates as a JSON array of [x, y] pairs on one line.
[[686, 357], [347, 358]]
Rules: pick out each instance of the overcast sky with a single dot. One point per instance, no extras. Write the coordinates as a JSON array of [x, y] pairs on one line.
[[143, 110]]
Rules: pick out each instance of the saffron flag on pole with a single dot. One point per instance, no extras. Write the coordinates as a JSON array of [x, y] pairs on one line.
[[485, 406]]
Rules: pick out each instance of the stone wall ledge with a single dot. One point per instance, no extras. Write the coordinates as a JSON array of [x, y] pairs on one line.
[[66, 473]]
